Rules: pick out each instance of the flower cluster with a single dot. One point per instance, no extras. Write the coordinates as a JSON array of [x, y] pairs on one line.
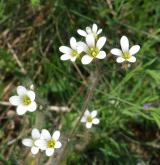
[[88, 51], [25, 101], [92, 47], [43, 141]]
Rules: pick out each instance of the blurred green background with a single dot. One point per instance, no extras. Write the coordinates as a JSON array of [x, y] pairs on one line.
[[127, 101]]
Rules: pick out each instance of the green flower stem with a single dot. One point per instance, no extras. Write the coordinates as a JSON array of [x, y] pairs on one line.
[[80, 73]]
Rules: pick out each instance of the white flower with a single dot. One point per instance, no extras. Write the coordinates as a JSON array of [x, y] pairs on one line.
[[31, 142], [90, 118], [92, 49], [48, 142], [24, 100], [71, 53], [94, 31], [125, 54]]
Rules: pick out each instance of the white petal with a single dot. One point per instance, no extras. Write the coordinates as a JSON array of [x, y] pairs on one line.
[[49, 151], [94, 28], [86, 113], [86, 59], [65, 57], [73, 59], [88, 125], [65, 49], [31, 95], [94, 114], [82, 46], [42, 144], [15, 100], [132, 59], [90, 40], [124, 43], [21, 110], [79, 49], [99, 31], [58, 144], [45, 134], [35, 133], [134, 49], [116, 52], [101, 55], [120, 59], [27, 142], [73, 43], [32, 107], [83, 119], [95, 121], [56, 135], [34, 150], [82, 32], [100, 43], [88, 30], [21, 90]]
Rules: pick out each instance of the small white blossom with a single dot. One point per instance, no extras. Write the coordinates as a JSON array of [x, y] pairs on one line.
[[24, 100], [94, 31], [30, 142], [90, 118], [48, 142], [92, 49], [71, 53], [125, 54]]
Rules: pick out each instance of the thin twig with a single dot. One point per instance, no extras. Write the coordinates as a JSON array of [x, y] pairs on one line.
[[7, 88], [51, 108], [59, 109], [5, 103], [22, 134], [16, 58], [109, 2]]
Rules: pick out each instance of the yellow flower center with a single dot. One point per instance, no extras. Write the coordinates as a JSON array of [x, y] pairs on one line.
[[51, 143], [74, 53], [89, 119], [126, 55], [93, 52], [26, 100]]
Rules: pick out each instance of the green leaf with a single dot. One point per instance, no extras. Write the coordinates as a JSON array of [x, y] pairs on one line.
[[155, 74]]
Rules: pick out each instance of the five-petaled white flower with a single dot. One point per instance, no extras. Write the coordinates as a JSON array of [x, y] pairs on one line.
[[31, 142], [24, 100], [125, 54], [94, 31], [48, 142], [92, 49], [71, 53], [90, 118]]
